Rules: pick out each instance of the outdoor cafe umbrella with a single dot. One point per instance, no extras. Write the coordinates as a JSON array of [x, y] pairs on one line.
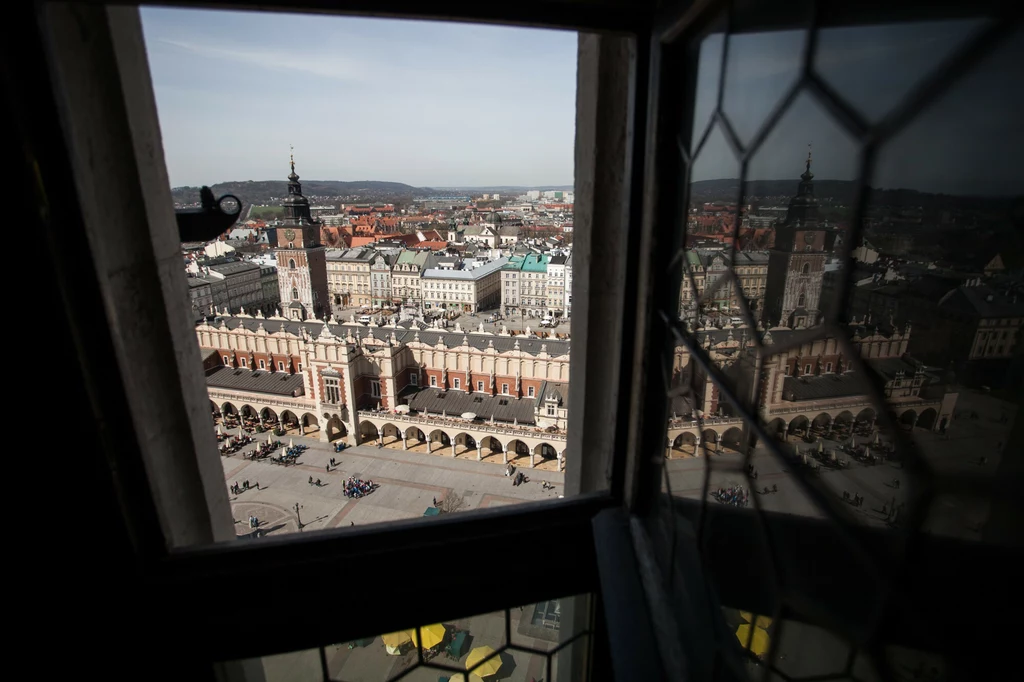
[[757, 620], [876, 438], [402, 409], [291, 443], [758, 644], [821, 446], [432, 635], [470, 416], [219, 432], [269, 441], [394, 641], [491, 666]]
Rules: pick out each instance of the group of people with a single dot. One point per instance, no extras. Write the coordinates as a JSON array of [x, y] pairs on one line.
[[232, 447], [857, 500], [520, 478], [239, 489], [357, 487], [734, 495]]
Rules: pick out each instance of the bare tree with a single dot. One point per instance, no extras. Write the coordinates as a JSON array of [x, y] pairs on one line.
[[451, 502]]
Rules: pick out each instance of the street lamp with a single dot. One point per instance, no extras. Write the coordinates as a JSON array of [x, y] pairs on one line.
[[297, 516]]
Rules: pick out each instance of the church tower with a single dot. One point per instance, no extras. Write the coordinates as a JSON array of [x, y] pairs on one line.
[[301, 259], [796, 263]]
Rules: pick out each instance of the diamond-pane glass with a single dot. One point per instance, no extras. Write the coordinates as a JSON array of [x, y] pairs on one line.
[[866, 376]]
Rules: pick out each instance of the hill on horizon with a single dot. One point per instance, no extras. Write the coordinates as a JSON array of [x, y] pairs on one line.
[[263, 191]]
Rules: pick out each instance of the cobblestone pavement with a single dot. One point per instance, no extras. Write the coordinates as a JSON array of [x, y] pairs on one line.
[[951, 515], [409, 483]]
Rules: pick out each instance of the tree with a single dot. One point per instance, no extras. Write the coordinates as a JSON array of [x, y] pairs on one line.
[[452, 502]]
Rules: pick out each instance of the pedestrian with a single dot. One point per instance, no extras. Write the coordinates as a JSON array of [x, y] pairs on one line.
[[311, 480], [257, 485], [351, 523], [435, 501], [328, 468]]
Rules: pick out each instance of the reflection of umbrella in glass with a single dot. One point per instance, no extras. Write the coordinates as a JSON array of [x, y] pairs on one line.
[[489, 667], [432, 635], [758, 621], [395, 640], [759, 642], [461, 677]]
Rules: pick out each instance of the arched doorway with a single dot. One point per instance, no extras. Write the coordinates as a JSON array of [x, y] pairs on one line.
[[908, 418], [491, 448], [732, 439], [685, 445], [310, 424], [927, 419], [391, 436], [335, 429], [777, 428], [289, 421], [465, 445], [798, 425], [866, 416], [439, 440], [368, 432], [709, 441], [415, 440], [517, 449], [822, 422], [268, 417], [214, 410]]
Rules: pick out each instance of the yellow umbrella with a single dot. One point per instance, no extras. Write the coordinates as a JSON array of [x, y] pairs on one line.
[[461, 677], [432, 635], [758, 621], [489, 667], [759, 643], [396, 639]]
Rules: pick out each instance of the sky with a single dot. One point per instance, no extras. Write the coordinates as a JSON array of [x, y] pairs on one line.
[[969, 141], [435, 104], [424, 103]]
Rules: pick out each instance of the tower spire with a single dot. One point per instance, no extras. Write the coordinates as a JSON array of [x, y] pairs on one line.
[[807, 171]]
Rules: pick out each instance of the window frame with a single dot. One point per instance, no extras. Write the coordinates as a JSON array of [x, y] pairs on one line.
[[109, 58]]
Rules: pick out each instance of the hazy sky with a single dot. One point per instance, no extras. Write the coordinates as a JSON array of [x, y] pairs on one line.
[[455, 104], [423, 103], [970, 141]]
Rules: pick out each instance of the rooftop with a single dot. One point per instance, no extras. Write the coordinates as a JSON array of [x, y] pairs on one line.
[[255, 381], [454, 403]]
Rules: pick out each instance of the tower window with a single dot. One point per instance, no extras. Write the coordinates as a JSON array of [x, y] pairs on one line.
[[295, 294], [800, 301], [807, 268], [291, 263]]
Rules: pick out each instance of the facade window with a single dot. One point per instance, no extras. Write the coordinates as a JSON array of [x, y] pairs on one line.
[[785, 370], [551, 410], [300, 366], [807, 369], [480, 386], [332, 390], [375, 388], [414, 379], [227, 360], [456, 383], [280, 365], [800, 301], [807, 268], [241, 361], [295, 294], [291, 263], [504, 389], [433, 381], [529, 391], [828, 366], [263, 365]]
